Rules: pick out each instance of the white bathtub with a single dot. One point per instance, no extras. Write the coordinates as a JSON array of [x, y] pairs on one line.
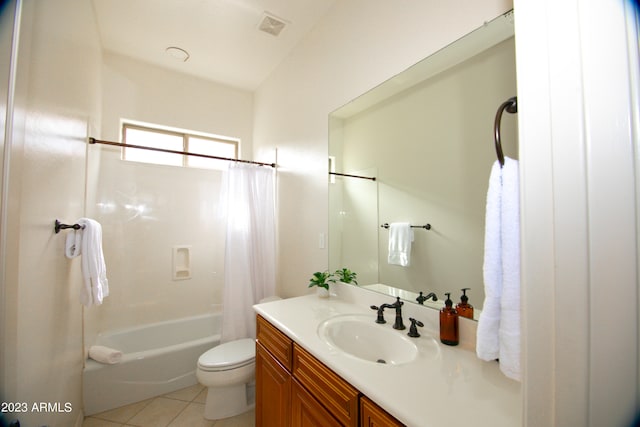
[[157, 359]]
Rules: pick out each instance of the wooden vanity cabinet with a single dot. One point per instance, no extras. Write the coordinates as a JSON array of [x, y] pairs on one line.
[[274, 356], [306, 411], [371, 415], [273, 391], [338, 396], [294, 389]]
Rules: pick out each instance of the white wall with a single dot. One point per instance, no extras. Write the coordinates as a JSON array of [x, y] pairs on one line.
[[135, 90], [358, 45], [57, 106]]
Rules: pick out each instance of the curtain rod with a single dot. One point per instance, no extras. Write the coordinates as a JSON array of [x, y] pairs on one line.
[[119, 144]]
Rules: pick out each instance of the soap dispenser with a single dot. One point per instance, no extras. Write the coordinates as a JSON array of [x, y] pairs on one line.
[[449, 323], [463, 308]]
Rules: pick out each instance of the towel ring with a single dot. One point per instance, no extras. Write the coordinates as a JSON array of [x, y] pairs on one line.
[[511, 105]]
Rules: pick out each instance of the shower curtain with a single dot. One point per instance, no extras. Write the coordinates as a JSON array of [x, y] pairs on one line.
[[249, 269]]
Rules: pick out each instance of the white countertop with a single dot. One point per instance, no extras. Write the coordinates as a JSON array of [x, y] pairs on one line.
[[448, 386]]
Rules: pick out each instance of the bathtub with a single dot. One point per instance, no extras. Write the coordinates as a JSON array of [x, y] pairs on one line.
[[157, 359]]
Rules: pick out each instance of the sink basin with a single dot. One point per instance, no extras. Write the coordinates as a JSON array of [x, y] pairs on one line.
[[359, 336]]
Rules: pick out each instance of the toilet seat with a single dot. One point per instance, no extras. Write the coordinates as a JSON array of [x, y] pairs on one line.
[[230, 355]]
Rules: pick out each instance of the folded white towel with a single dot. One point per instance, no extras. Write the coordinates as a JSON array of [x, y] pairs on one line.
[[94, 270], [400, 238], [104, 354], [498, 333], [73, 244]]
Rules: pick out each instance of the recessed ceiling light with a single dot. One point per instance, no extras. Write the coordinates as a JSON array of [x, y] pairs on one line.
[[177, 53]]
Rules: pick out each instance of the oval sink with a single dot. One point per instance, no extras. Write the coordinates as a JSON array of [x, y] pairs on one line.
[[359, 336]]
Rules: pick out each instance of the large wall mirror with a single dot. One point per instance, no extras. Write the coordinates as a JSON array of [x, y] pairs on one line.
[[426, 136]]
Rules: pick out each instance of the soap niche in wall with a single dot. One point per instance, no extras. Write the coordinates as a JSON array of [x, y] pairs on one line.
[[181, 262]]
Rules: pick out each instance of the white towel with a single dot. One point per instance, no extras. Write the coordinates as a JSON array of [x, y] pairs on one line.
[[104, 354], [73, 244], [400, 238], [487, 342], [94, 270], [498, 334]]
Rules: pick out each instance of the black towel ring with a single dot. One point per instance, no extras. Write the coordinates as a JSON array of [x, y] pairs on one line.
[[511, 105]]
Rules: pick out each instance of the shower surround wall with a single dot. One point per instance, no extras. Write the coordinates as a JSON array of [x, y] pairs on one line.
[[146, 210]]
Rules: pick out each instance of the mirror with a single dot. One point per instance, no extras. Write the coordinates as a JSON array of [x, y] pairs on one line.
[[426, 136]]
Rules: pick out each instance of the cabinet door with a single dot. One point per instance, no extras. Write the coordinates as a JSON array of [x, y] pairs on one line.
[[273, 391], [371, 415], [307, 412], [337, 395]]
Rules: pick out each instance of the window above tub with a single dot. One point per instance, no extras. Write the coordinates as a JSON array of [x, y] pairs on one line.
[[177, 140]]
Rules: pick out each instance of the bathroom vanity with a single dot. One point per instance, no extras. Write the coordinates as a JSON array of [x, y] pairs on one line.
[[308, 371]]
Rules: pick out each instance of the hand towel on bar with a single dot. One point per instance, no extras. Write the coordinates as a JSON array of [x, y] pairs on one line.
[[94, 270], [498, 333], [487, 342], [104, 354], [400, 238], [73, 244], [510, 302]]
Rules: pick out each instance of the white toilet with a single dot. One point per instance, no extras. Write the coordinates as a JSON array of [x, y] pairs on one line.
[[226, 370]]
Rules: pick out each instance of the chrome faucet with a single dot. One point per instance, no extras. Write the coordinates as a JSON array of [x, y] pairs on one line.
[[421, 298]]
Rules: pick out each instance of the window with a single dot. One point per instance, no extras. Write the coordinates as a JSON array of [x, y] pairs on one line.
[[208, 145]]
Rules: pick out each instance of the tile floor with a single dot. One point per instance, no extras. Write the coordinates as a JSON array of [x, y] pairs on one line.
[[183, 408]]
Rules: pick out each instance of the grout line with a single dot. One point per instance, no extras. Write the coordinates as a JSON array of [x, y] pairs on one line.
[[178, 414]]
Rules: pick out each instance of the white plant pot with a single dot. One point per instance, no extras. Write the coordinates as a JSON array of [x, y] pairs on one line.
[[322, 292]]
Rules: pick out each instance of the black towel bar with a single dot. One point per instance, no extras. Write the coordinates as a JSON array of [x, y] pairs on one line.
[[426, 226], [60, 226]]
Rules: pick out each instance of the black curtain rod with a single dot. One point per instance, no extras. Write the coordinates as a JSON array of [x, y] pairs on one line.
[[119, 144], [353, 176]]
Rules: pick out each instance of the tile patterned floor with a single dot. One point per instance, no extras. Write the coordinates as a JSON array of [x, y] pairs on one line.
[[183, 408]]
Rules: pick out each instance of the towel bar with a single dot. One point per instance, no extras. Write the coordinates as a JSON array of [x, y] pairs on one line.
[[59, 226], [426, 226]]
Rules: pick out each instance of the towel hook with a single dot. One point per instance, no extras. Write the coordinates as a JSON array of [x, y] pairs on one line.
[[60, 226], [511, 105]]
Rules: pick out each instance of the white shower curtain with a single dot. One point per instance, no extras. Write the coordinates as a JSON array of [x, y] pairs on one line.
[[249, 270]]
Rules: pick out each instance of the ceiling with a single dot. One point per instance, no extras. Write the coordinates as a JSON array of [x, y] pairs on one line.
[[223, 37]]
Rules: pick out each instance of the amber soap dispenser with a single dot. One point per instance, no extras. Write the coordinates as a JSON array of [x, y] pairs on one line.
[[449, 323], [463, 308]]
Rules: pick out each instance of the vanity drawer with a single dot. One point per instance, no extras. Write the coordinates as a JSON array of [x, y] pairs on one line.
[[278, 344], [338, 396]]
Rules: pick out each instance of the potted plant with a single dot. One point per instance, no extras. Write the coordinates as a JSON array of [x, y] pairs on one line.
[[346, 276], [321, 279]]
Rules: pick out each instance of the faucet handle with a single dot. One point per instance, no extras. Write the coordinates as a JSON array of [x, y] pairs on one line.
[[413, 330], [380, 318]]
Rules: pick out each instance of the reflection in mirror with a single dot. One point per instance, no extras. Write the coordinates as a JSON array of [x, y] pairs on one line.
[[427, 137]]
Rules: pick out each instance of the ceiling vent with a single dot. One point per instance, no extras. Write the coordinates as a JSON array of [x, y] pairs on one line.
[[271, 24]]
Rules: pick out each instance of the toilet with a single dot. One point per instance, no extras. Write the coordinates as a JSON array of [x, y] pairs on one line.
[[228, 371]]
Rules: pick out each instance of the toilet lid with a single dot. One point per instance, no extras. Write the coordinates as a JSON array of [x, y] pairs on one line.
[[232, 353]]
